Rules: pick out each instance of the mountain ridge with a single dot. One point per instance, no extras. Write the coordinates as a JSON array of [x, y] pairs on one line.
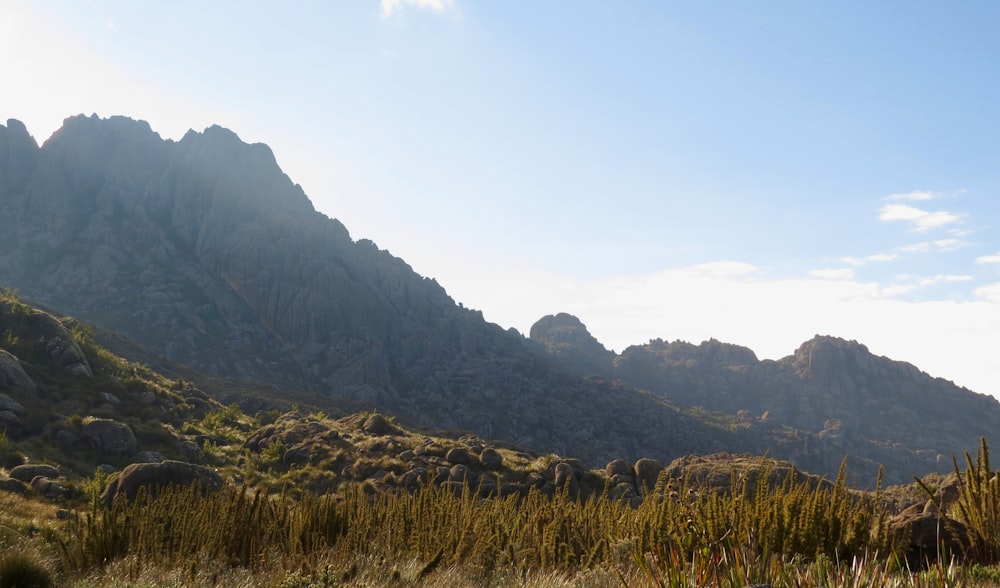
[[830, 387], [205, 252]]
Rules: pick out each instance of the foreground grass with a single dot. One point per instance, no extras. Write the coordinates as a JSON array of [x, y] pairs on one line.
[[250, 529], [726, 569], [793, 533], [796, 534]]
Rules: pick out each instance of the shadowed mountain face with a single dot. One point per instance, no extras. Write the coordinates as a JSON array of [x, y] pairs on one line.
[[204, 252]]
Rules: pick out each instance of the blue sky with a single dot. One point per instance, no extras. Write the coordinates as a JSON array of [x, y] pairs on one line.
[[755, 172]]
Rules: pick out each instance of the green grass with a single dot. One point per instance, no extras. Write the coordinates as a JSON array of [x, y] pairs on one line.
[[795, 533]]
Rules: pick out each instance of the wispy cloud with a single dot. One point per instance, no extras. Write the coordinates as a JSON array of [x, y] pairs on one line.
[[907, 283], [721, 269], [995, 258], [391, 7], [926, 246], [920, 220], [912, 196], [943, 278], [876, 258], [896, 290], [833, 274]]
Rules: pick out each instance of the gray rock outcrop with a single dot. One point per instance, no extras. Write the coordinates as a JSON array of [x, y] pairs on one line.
[[27, 472], [12, 375], [157, 476], [9, 404], [109, 437]]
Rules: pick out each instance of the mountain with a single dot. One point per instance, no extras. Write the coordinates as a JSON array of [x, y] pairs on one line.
[[202, 253], [829, 391]]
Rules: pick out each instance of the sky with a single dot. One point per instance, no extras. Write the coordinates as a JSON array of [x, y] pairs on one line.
[[753, 172]]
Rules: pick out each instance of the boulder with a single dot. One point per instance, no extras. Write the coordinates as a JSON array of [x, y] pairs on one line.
[[149, 457], [563, 474], [27, 472], [618, 467], [12, 485], [921, 532], [9, 404], [459, 473], [48, 487], [156, 476], [49, 335], [10, 420], [647, 472], [12, 374], [622, 492], [491, 459], [300, 453], [377, 424], [109, 437], [460, 455]]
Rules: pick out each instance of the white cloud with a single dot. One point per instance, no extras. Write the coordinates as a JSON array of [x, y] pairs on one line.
[[878, 257], [390, 7], [926, 246], [921, 220], [912, 196], [995, 258], [897, 290], [944, 278], [720, 269], [989, 292], [833, 274]]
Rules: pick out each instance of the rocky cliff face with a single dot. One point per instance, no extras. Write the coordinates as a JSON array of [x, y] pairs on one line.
[[205, 252]]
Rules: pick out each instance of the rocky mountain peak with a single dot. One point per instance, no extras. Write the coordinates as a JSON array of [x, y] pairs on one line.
[[100, 131], [238, 174], [16, 129], [569, 342], [824, 354], [18, 154], [564, 330]]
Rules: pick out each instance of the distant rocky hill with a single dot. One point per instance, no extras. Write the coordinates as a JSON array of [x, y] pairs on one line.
[[203, 252], [833, 393]]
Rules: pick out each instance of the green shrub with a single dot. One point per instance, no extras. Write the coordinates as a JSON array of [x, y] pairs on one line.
[[979, 505], [20, 569]]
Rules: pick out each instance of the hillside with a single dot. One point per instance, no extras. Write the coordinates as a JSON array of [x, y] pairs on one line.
[[202, 254]]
